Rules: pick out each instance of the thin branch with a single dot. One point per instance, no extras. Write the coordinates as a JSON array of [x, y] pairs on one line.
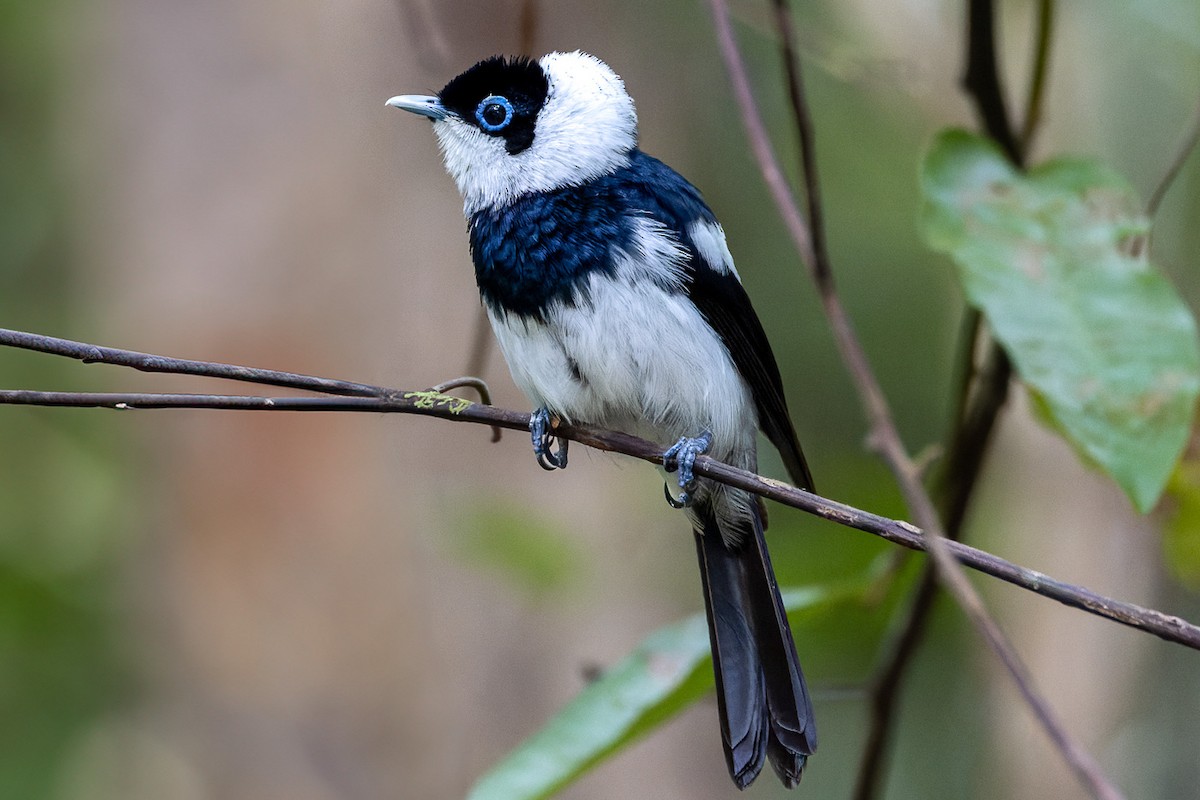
[[970, 440], [431, 403], [760, 142], [427, 37], [875, 405], [981, 395], [528, 23], [1176, 166], [527, 27], [981, 80], [143, 401], [1037, 79], [822, 268], [147, 362], [969, 337], [883, 432], [481, 344], [479, 385], [456, 409], [960, 474], [884, 691]]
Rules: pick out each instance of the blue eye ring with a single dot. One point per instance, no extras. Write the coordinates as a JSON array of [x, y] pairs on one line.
[[485, 109]]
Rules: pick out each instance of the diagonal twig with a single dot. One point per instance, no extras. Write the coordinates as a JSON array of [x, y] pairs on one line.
[[528, 24], [982, 81], [822, 269], [433, 404], [148, 362], [982, 393], [883, 432], [1175, 167], [1043, 36]]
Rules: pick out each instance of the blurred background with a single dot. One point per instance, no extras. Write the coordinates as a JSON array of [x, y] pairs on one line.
[[205, 605]]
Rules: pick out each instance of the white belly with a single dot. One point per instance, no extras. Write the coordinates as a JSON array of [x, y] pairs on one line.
[[634, 358]]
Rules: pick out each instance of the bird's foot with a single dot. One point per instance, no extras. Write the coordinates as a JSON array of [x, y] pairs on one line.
[[548, 457], [682, 456]]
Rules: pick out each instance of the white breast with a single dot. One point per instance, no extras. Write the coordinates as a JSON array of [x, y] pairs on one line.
[[634, 358]]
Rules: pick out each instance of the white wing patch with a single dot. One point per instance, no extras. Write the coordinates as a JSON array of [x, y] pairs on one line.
[[655, 254], [709, 239]]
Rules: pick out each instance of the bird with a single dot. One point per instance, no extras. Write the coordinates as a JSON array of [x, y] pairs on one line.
[[614, 298]]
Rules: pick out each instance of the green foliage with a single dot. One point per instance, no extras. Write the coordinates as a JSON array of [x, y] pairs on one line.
[[61, 478], [669, 671], [1056, 261], [533, 553], [59, 672], [1181, 536]]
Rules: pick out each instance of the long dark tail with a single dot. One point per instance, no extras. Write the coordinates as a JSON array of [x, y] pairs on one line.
[[763, 701]]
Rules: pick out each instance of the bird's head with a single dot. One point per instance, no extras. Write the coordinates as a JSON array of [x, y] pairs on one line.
[[514, 126]]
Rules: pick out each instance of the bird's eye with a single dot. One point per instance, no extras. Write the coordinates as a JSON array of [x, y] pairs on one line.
[[494, 113]]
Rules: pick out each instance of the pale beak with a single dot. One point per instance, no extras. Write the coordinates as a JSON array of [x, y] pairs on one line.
[[421, 104]]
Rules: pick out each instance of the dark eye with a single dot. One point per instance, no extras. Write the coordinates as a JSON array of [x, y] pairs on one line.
[[494, 113]]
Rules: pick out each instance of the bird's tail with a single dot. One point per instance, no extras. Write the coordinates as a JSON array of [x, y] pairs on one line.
[[763, 701]]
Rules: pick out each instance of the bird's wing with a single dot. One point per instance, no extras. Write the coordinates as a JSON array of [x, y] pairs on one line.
[[724, 303], [713, 285]]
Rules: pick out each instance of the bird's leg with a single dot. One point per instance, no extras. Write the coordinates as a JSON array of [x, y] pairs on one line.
[[543, 440], [682, 456]]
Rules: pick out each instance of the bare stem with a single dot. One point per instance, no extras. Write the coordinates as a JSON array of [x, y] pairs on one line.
[[822, 268], [1176, 166], [981, 394], [981, 79], [1037, 78], [147, 362], [527, 27], [883, 432], [431, 403], [480, 353], [481, 344]]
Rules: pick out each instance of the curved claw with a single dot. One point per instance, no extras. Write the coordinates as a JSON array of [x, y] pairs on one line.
[[551, 461], [683, 501], [539, 428], [682, 456]]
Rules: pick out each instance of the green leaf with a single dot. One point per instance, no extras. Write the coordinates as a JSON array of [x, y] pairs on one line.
[[1181, 534], [528, 549], [1056, 261], [669, 670]]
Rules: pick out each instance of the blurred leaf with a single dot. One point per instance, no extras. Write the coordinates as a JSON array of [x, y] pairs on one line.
[[61, 479], [1181, 536], [59, 671], [669, 671], [532, 552], [1056, 261], [805, 551]]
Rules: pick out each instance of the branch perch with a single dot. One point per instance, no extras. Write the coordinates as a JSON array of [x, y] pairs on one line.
[[434, 404], [883, 433], [982, 391]]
